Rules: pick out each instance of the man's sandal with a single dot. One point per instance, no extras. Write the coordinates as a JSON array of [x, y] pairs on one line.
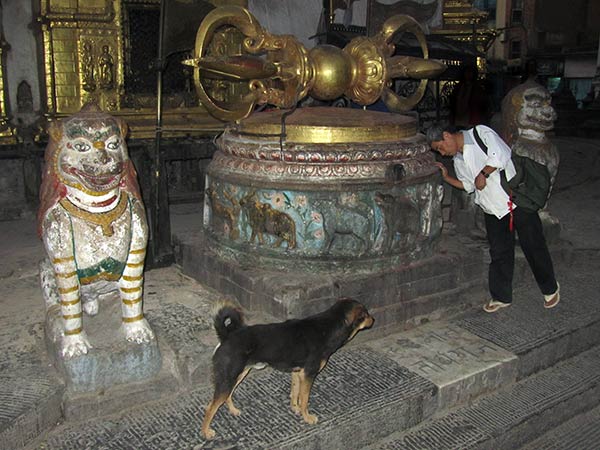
[[494, 305], [551, 300]]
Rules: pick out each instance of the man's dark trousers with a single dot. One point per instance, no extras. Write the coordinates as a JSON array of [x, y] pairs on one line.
[[502, 251]]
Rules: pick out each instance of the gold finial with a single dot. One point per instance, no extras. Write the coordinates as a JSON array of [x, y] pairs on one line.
[[280, 71]]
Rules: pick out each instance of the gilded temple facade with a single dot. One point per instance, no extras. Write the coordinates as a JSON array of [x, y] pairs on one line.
[[104, 50]]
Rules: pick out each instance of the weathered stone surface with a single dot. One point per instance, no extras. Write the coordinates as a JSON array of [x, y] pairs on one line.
[[30, 391], [404, 294], [582, 431], [510, 418], [351, 412], [462, 365], [112, 359], [180, 328], [543, 337], [30, 398]]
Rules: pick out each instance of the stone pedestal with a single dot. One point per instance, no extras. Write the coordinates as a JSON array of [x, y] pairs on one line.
[[324, 203], [112, 360]]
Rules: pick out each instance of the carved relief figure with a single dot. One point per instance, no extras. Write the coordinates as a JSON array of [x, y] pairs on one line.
[[105, 68], [228, 215], [263, 218], [93, 226], [401, 218], [87, 67], [526, 116], [344, 220]]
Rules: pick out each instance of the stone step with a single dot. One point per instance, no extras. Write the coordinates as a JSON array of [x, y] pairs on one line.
[[538, 336], [30, 404], [370, 389], [360, 396], [375, 388], [581, 432], [514, 416], [30, 391], [460, 364]]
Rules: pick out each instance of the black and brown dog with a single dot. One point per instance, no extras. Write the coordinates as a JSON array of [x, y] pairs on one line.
[[299, 346]]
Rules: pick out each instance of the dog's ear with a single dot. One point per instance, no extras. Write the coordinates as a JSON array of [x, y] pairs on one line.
[[354, 314]]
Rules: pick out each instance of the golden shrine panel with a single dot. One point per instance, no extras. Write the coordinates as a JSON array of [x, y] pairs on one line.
[[105, 51]]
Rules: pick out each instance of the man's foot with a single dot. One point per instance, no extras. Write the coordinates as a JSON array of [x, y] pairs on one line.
[[494, 305], [551, 300]]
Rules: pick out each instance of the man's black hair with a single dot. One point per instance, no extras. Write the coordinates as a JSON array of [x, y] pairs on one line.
[[435, 132]]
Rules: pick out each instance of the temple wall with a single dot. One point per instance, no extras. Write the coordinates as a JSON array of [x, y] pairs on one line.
[[21, 57]]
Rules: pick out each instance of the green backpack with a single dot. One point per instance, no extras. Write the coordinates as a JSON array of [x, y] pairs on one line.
[[530, 186]]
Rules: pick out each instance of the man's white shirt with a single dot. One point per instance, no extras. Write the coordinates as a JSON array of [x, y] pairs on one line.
[[468, 164]]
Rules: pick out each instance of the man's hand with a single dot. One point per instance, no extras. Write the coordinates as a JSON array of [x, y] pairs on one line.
[[443, 169], [447, 178], [480, 181]]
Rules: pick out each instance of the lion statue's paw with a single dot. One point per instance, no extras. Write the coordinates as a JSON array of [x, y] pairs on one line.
[[75, 345], [138, 332]]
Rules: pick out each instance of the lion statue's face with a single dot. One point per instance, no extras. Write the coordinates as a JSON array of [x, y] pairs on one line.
[[536, 112], [92, 153]]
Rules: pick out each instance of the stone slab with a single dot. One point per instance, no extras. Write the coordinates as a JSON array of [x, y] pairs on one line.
[[509, 419], [77, 406], [542, 337], [188, 339], [112, 359], [30, 391], [462, 365], [361, 395]]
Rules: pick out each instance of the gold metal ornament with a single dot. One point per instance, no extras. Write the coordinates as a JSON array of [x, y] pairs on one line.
[[280, 71]]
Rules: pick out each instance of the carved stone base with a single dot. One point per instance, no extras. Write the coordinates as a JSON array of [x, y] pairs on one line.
[[112, 360], [399, 296]]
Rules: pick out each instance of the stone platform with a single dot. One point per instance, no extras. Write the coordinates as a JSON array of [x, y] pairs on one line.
[[398, 297], [411, 386], [473, 381], [524, 377]]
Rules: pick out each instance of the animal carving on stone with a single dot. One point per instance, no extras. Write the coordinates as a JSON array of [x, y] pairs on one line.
[[263, 218], [227, 215], [527, 115], [93, 225], [401, 218], [340, 220]]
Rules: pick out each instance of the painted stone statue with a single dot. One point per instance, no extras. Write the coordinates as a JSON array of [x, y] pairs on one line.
[[93, 226], [526, 117]]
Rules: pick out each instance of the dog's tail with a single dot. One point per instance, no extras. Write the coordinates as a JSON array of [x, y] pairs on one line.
[[228, 318]]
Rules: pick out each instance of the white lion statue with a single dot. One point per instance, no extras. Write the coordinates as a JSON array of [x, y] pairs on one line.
[[93, 225]]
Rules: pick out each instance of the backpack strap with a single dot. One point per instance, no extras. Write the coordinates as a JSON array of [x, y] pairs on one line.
[[479, 141], [503, 180]]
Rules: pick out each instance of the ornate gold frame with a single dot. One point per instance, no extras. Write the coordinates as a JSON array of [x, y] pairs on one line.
[[74, 36]]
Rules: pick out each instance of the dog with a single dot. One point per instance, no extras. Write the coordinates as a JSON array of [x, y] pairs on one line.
[[299, 346]]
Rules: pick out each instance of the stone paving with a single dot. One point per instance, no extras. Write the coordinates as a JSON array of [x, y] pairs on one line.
[[370, 389]]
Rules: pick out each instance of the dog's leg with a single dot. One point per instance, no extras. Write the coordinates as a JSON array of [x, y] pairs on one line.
[[323, 364], [306, 382], [232, 409], [226, 378], [295, 392], [211, 410]]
